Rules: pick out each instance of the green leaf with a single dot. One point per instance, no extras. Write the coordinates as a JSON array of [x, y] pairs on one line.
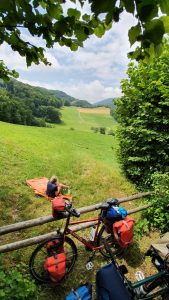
[[6, 5], [99, 6], [108, 26], [158, 49], [109, 18], [80, 34], [165, 20], [147, 10], [74, 13], [54, 11], [164, 5], [129, 6], [74, 47], [99, 31], [86, 17], [43, 4], [154, 31], [133, 33]]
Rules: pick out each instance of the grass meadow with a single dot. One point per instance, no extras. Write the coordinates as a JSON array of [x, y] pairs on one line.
[[85, 160]]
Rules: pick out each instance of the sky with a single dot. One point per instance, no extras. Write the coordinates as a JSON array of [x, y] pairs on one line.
[[92, 73]]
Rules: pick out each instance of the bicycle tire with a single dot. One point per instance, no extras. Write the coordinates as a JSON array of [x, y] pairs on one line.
[[38, 272], [115, 247]]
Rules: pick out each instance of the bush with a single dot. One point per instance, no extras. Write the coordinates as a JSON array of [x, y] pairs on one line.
[[158, 214], [102, 130], [14, 285], [142, 112], [141, 228]]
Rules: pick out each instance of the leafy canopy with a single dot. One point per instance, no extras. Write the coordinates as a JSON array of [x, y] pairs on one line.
[[142, 112], [47, 20]]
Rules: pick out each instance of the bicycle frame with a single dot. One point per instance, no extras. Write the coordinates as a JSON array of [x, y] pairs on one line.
[[90, 245], [161, 275]]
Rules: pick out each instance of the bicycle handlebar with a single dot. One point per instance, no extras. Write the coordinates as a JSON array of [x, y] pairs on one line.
[[108, 203], [72, 211]]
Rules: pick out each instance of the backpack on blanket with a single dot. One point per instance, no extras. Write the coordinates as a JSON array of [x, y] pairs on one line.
[[123, 231], [83, 292]]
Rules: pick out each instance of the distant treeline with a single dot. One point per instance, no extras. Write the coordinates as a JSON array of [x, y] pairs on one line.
[[24, 104]]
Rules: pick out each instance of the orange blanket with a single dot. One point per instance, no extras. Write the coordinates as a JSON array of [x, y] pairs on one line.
[[39, 187]]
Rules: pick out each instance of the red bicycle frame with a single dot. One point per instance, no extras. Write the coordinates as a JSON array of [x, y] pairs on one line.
[[91, 245]]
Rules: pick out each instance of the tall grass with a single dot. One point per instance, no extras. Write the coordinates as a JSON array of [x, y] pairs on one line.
[[80, 158]]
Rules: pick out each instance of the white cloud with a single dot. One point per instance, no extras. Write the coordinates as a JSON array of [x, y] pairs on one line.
[[91, 73], [14, 61]]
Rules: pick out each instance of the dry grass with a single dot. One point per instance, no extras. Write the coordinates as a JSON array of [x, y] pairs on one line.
[[99, 110]]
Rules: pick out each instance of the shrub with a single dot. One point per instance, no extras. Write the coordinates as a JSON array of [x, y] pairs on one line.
[[142, 112], [158, 214], [14, 285], [102, 130], [141, 227]]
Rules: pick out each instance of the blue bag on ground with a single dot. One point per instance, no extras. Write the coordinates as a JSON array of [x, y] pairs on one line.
[[83, 292], [116, 212], [110, 285]]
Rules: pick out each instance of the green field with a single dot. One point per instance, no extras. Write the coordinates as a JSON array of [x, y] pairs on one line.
[[85, 160]]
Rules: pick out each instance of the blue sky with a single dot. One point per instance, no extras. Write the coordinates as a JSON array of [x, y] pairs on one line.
[[92, 73]]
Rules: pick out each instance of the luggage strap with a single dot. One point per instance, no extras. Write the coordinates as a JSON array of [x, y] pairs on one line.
[[77, 295]]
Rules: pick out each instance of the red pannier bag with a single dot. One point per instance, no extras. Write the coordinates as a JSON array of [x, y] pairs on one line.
[[123, 231], [54, 247], [56, 266], [58, 206]]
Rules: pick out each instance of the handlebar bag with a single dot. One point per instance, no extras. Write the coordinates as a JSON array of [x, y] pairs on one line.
[[56, 267], [116, 212], [83, 292], [123, 231], [58, 206]]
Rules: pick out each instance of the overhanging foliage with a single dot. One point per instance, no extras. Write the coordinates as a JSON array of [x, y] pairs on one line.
[[46, 19]]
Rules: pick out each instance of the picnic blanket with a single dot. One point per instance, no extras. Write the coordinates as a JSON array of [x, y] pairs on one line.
[[39, 187]]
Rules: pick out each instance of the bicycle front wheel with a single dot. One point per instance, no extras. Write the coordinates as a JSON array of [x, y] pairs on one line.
[[40, 254], [115, 247]]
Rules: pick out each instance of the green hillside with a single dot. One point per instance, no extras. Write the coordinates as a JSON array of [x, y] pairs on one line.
[[85, 160], [106, 102]]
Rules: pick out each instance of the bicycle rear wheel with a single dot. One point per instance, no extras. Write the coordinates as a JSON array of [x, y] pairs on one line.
[[41, 253], [115, 247]]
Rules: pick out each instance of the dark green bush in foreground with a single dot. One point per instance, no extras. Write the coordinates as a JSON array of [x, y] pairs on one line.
[[15, 285], [158, 214]]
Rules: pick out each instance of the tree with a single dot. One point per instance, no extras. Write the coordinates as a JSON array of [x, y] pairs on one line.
[[52, 115], [45, 19], [143, 115]]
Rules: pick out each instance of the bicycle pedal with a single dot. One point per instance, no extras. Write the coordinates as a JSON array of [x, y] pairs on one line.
[[139, 275], [89, 266]]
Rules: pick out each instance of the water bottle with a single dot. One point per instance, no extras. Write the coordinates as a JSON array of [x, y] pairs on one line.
[[92, 233]]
